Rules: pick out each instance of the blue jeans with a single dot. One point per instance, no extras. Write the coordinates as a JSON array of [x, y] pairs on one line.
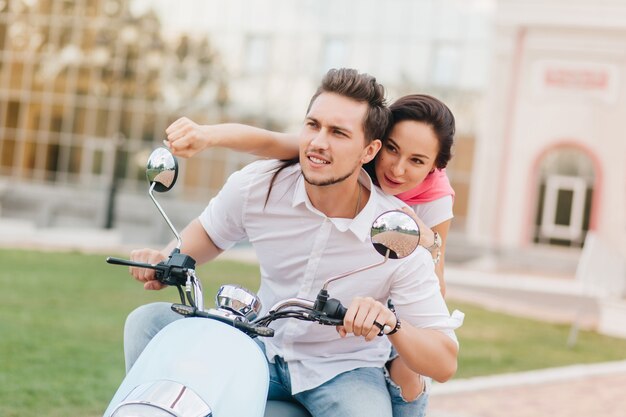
[[403, 408], [370, 390], [142, 324]]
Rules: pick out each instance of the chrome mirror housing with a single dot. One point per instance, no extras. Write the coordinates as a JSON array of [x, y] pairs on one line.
[[162, 172], [162, 169], [395, 234]]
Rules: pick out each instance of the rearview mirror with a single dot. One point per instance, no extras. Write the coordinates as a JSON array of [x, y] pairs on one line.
[[162, 169], [395, 234]]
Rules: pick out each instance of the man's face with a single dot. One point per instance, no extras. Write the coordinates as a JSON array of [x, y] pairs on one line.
[[332, 140]]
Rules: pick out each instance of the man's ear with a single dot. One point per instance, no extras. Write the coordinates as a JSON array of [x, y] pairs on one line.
[[371, 150]]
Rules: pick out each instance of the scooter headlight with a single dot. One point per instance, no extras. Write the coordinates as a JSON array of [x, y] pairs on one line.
[[238, 300], [162, 399]]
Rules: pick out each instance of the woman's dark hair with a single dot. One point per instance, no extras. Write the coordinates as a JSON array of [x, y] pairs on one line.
[[427, 109]]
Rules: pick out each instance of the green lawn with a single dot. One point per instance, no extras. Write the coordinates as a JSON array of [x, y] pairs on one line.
[[61, 320]]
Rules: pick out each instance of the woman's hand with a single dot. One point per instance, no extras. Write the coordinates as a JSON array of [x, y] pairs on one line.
[[185, 138], [427, 236]]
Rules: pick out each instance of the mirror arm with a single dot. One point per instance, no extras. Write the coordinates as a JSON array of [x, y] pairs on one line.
[[169, 223], [323, 296], [365, 268]]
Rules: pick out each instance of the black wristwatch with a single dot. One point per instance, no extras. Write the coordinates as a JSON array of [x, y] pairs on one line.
[[398, 323]]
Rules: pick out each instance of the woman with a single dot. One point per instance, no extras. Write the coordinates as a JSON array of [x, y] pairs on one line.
[[410, 165]]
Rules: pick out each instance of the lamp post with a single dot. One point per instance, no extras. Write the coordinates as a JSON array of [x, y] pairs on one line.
[[109, 219], [128, 35]]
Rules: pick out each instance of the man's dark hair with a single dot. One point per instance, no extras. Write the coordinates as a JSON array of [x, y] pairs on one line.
[[361, 87]]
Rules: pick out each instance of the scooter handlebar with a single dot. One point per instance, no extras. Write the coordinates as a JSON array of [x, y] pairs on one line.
[[118, 261], [334, 309]]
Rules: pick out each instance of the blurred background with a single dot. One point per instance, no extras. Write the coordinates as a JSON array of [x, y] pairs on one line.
[[87, 88], [538, 89]]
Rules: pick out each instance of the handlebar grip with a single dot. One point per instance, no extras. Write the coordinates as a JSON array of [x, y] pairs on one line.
[[118, 261], [341, 311], [334, 309]]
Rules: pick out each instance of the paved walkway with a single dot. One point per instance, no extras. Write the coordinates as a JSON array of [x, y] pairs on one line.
[[579, 391]]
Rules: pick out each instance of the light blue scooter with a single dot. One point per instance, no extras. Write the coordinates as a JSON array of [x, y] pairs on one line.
[[222, 372]]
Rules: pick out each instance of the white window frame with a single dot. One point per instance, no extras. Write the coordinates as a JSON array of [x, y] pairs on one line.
[[574, 231]]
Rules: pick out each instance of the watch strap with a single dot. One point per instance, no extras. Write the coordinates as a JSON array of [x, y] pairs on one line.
[[436, 243], [398, 325]]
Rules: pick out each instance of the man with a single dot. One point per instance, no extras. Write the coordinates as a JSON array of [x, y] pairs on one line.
[[307, 222]]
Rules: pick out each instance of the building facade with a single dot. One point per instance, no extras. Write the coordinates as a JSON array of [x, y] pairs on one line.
[[88, 87], [549, 167], [276, 52]]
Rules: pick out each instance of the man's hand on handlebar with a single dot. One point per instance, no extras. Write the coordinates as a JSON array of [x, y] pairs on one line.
[[147, 276], [362, 315]]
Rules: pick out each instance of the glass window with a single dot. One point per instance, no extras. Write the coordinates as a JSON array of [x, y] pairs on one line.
[[564, 202], [29, 158], [335, 52], [257, 54], [446, 65], [80, 116], [13, 114], [98, 162], [572, 162], [52, 160], [76, 153], [56, 118], [126, 123], [15, 75], [8, 151], [564, 197], [3, 32], [102, 119]]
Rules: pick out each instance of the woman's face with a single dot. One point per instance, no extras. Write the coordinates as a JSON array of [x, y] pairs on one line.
[[406, 157]]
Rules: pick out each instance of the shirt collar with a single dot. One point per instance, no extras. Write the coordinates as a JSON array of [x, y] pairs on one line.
[[360, 226]]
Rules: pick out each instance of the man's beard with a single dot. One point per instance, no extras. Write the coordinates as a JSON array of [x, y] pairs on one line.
[[332, 180]]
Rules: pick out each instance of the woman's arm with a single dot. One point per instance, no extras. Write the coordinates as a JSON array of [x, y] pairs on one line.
[[186, 138], [427, 239], [442, 229], [426, 351]]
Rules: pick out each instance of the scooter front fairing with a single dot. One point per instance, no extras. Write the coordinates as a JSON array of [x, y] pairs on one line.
[[221, 365]]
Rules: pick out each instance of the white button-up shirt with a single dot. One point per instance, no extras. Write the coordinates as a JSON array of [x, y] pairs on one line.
[[298, 248]]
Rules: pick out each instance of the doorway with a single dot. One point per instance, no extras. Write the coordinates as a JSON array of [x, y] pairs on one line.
[[565, 191]]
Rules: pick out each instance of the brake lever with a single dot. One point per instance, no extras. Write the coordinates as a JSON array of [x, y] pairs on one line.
[[328, 321]]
